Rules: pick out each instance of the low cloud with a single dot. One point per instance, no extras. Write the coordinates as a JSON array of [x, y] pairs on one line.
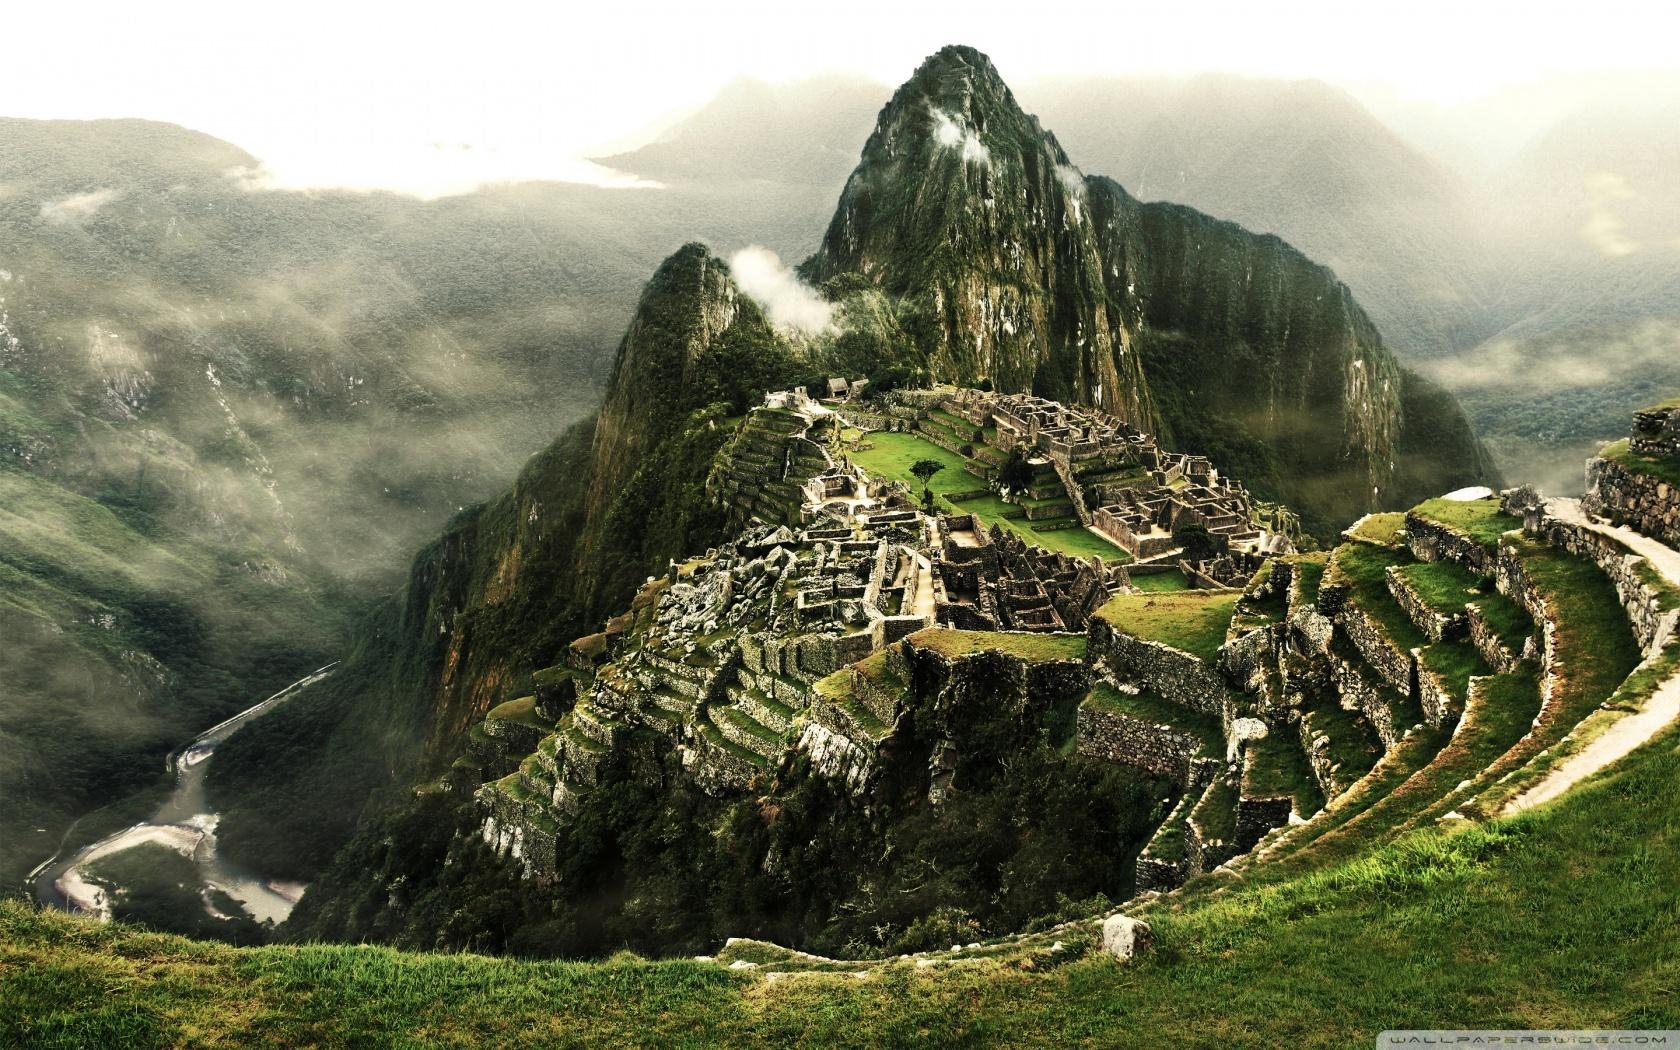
[[78, 208], [789, 301], [1604, 228], [948, 131]]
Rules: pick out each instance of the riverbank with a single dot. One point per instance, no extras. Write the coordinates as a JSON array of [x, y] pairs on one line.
[[81, 878]]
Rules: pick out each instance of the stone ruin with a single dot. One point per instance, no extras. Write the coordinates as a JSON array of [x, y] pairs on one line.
[[1656, 432]]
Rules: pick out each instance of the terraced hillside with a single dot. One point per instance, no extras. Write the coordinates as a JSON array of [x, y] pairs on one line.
[[1410, 688]]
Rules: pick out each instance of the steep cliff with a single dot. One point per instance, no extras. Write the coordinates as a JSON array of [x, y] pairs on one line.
[[964, 204], [1024, 271], [510, 581]]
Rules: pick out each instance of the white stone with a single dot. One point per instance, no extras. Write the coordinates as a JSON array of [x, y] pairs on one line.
[[1124, 936]]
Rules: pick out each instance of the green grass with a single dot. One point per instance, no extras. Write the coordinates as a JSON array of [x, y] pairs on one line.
[[1506, 619], [1277, 767], [1311, 569], [1558, 918], [1444, 586], [1216, 811], [1621, 453], [1194, 621], [522, 711], [1480, 519], [1363, 568], [1036, 648], [892, 455], [1381, 529], [1353, 747], [1162, 581], [1155, 710], [1456, 663]]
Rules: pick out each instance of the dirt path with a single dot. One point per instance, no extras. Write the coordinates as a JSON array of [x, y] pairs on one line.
[[1631, 731]]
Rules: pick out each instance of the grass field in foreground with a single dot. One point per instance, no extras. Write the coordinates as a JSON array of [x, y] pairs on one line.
[[892, 455], [1559, 918]]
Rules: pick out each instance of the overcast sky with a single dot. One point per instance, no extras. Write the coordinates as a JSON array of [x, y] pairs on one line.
[[432, 97]]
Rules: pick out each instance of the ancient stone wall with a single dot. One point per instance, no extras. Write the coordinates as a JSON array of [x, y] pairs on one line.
[[1432, 541], [1644, 604], [1157, 747], [1384, 655], [1439, 626], [1498, 655], [1640, 501], [1169, 673], [1257, 816], [1656, 433]]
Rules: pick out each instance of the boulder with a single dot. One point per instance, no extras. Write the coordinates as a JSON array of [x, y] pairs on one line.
[[1124, 936]]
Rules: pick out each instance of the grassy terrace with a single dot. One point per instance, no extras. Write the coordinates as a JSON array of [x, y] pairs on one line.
[[1479, 519], [1311, 569], [1156, 710], [522, 711], [1037, 648], [893, 454], [837, 690], [1381, 529], [1507, 924], [1662, 469], [1194, 621], [1215, 812], [1353, 748], [1595, 648], [1506, 619], [1444, 586], [1162, 581], [1362, 567], [1276, 767]]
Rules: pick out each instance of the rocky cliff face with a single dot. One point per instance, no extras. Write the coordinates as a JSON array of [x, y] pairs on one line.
[[512, 580], [965, 204], [1031, 274]]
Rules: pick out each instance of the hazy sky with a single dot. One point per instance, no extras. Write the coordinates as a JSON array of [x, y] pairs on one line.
[[432, 97]]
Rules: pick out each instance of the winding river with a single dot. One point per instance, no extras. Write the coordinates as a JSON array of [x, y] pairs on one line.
[[185, 823]]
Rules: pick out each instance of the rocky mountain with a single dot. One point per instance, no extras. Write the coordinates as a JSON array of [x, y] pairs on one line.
[[1027, 273], [979, 252], [513, 579]]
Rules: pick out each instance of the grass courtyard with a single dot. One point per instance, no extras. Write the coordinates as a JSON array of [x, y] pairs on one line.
[[891, 456]]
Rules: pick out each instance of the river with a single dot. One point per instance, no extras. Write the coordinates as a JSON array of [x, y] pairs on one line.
[[185, 823]]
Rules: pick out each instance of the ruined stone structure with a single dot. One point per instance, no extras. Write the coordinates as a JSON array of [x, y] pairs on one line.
[[811, 643], [1640, 488]]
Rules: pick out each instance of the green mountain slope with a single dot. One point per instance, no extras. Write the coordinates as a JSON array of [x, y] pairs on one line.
[[514, 579]]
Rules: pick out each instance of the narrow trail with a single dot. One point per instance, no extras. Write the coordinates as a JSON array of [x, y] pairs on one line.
[[1629, 732]]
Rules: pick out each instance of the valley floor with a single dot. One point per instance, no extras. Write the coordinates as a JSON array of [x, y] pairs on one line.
[[1560, 917]]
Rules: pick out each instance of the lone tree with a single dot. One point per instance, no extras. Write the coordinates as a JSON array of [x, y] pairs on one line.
[[926, 469], [1197, 541], [1016, 474]]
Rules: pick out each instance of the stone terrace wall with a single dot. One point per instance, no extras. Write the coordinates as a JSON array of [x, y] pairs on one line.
[[1432, 541], [1437, 625], [1639, 501], [1492, 648], [1379, 650], [1159, 748], [1169, 673], [1651, 623], [1656, 432]]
